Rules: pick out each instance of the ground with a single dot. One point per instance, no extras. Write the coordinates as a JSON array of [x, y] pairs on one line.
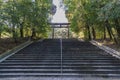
[[110, 44], [8, 43]]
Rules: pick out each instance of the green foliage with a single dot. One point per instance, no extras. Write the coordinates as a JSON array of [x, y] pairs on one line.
[[22, 14], [110, 11], [86, 14]]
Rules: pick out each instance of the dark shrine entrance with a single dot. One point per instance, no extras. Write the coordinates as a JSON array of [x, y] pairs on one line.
[[60, 25]]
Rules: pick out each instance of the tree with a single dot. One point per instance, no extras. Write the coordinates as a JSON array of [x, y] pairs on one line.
[[26, 14], [110, 13], [95, 16]]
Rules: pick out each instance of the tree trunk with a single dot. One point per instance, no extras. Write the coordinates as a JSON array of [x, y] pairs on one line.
[[93, 33], [21, 30], [111, 32], [89, 33], [117, 27], [33, 33], [108, 29], [0, 35], [14, 34], [104, 33], [118, 30]]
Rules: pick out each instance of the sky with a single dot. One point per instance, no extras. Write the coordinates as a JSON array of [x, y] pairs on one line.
[[59, 16]]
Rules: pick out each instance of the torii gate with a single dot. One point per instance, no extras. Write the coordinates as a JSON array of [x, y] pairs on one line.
[[60, 25]]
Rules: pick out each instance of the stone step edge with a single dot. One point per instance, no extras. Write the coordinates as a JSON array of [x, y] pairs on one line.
[[106, 49], [11, 52]]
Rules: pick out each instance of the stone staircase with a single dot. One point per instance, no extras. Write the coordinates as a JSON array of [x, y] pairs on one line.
[[47, 59]]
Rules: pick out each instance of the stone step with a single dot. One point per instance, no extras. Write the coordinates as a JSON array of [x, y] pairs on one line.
[[83, 50], [87, 71], [34, 58], [39, 59], [40, 54], [30, 67], [30, 70], [69, 55], [79, 59], [4, 75], [28, 64], [58, 63], [59, 67], [62, 60], [66, 55]]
